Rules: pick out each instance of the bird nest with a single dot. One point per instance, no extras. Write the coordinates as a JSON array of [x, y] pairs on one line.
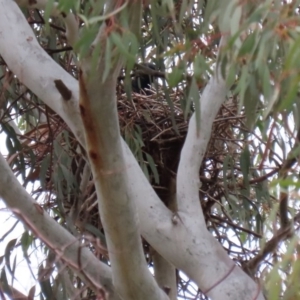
[[155, 129], [162, 128]]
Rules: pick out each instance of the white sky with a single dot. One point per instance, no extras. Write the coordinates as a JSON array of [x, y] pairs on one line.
[[24, 279]]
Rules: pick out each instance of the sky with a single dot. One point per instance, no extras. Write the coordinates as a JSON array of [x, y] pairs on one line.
[[23, 280]]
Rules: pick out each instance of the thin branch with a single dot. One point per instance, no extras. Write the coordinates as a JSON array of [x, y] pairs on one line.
[[66, 246], [72, 28]]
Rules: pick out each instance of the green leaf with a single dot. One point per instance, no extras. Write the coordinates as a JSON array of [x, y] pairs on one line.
[[231, 75], [245, 165], [201, 67], [48, 12], [258, 224], [235, 19], [243, 84], [66, 5], [8, 249], [293, 56], [153, 168], [251, 103], [248, 45], [292, 91], [87, 37], [175, 76], [122, 49], [274, 285], [45, 164], [45, 283], [234, 203], [26, 241], [226, 23]]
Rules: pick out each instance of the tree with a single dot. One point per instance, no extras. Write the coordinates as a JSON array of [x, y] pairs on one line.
[[190, 177]]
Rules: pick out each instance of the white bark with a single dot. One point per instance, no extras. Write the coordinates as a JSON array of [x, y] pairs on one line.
[[194, 148], [22, 52], [181, 239], [131, 275], [98, 106], [72, 32], [64, 244], [165, 275]]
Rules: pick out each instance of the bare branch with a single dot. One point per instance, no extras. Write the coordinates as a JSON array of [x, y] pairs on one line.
[[195, 145], [71, 23], [66, 246]]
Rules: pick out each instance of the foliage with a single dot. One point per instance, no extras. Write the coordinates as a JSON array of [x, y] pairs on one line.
[[249, 177]]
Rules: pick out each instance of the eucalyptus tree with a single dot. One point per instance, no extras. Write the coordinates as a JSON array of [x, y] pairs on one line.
[[181, 187]]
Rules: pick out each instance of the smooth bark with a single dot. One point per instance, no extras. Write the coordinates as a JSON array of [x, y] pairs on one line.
[[181, 239], [96, 274]]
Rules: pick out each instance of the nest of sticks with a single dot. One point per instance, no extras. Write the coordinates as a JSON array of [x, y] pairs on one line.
[[155, 130]]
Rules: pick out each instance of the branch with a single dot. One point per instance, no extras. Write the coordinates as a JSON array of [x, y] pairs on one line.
[[13, 293], [195, 145], [64, 277], [291, 159], [69, 19], [283, 233], [22, 44], [110, 171], [188, 247], [164, 271], [165, 275], [286, 226], [96, 274]]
